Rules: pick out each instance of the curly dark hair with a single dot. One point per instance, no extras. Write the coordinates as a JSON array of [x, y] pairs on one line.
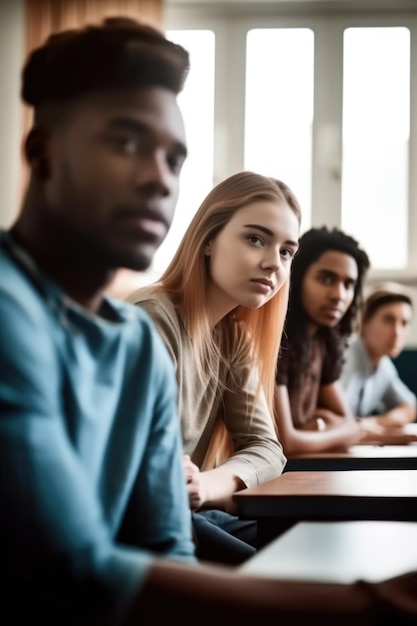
[[120, 52], [313, 244]]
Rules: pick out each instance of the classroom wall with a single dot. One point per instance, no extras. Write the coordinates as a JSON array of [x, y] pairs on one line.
[[11, 112]]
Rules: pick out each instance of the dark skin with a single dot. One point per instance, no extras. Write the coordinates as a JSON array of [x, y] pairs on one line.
[[104, 184]]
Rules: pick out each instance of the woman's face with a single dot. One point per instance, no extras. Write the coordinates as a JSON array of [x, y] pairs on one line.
[[250, 259]]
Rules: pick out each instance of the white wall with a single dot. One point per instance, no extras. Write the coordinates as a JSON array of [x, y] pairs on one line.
[[11, 110]]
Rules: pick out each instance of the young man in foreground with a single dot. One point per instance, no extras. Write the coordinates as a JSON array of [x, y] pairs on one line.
[[95, 524]]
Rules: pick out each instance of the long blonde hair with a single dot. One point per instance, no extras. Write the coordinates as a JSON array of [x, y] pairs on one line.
[[186, 278]]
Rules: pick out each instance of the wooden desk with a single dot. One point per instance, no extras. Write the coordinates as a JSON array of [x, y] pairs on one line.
[[329, 496], [361, 457], [342, 552]]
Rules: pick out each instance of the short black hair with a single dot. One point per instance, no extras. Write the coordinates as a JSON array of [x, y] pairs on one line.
[[118, 53]]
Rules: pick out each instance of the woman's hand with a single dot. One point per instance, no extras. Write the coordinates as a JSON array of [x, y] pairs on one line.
[[194, 483]]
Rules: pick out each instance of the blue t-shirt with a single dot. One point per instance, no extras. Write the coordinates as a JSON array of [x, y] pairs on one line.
[[91, 478]]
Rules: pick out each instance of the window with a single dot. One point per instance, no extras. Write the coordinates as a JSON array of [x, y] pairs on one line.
[[197, 105], [376, 133], [279, 108], [323, 101]]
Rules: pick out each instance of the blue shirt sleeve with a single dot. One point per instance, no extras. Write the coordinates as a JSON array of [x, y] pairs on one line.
[[59, 553]]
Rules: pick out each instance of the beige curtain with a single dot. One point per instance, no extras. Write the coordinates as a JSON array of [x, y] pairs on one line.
[[46, 16]]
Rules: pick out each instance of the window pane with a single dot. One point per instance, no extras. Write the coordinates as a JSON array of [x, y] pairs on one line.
[[376, 127], [197, 105], [279, 108]]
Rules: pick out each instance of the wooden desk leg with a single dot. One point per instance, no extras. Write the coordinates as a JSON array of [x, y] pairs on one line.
[[269, 529]]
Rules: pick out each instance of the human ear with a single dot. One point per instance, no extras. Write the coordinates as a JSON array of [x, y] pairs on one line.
[[208, 248], [36, 152]]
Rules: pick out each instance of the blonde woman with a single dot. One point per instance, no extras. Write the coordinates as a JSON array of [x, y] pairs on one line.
[[220, 308]]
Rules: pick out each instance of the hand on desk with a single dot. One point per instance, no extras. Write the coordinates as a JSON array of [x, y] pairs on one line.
[[374, 433]]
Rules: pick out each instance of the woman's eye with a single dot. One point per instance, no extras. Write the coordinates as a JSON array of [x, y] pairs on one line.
[[326, 280], [255, 240], [287, 253]]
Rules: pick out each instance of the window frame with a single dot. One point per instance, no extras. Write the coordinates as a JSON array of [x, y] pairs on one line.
[[230, 27]]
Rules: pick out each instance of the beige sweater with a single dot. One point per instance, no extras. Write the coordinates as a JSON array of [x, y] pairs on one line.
[[258, 454]]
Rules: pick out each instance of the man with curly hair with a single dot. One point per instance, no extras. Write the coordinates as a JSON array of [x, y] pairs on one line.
[[311, 411]]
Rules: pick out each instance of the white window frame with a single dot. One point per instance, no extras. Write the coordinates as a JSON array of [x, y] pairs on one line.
[[230, 25]]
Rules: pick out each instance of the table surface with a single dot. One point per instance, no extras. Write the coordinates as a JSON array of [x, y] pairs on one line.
[[341, 552], [352, 483], [368, 495], [360, 457], [363, 451]]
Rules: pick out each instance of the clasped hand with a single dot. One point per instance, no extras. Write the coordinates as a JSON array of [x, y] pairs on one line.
[[195, 483]]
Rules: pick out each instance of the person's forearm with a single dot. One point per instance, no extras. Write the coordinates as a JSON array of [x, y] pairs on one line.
[[322, 440], [331, 418], [224, 596], [398, 416]]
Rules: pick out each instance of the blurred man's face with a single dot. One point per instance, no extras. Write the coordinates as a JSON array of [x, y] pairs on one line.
[[386, 332], [114, 175]]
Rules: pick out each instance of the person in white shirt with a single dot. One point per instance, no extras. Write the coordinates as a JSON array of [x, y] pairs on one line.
[[373, 387]]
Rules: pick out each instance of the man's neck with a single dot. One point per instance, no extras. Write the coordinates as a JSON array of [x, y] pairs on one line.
[[85, 286], [372, 356]]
